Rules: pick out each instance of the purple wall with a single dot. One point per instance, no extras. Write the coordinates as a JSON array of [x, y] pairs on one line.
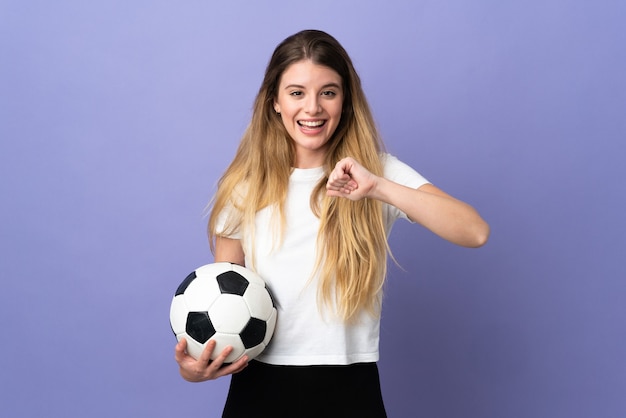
[[116, 119]]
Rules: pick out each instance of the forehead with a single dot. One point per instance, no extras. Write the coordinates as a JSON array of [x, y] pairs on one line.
[[307, 73]]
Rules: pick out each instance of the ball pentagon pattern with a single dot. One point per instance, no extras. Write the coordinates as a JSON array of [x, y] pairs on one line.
[[227, 303]]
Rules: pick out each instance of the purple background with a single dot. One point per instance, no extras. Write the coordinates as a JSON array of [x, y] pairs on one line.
[[117, 117]]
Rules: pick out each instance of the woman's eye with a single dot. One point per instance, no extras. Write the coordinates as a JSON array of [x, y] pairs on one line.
[[328, 93], [296, 93]]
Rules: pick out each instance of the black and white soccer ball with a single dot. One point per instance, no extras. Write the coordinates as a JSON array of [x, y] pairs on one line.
[[227, 303]]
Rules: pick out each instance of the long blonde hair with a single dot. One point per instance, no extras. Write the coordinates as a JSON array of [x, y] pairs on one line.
[[352, 243]]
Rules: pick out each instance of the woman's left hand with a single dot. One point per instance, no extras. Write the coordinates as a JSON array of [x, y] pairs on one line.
[[351, 180]]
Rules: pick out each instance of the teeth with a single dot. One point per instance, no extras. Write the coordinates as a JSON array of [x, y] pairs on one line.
[[311, 124]]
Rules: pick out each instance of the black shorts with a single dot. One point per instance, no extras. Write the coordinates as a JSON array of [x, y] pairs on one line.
[[262, 390]]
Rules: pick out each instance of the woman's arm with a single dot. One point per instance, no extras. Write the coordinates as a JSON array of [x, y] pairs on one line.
[[227, 249], [429, 206]]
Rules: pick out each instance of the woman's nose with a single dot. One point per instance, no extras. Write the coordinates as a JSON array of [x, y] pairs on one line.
[[313, 105]]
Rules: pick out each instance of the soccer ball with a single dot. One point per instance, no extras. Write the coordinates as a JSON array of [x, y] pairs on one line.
[[227, 303]]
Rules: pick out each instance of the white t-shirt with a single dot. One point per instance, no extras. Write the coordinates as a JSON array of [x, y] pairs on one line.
[[304, 335]]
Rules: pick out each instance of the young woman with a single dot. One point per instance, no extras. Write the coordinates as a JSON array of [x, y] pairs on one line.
[[308, 203]]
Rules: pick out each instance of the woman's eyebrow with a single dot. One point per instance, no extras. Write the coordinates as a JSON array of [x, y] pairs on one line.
[[325, 86]]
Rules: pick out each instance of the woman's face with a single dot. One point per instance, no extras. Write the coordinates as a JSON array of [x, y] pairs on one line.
[[309, 100]]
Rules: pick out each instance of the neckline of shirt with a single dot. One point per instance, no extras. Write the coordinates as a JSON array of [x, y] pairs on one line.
[[307, 173]]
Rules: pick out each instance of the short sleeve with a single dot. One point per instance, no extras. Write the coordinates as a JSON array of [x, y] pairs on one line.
[[227, 224], [229, 220], [401, 173]]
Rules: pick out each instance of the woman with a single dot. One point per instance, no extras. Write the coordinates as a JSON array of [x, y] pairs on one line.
[[308, 203]]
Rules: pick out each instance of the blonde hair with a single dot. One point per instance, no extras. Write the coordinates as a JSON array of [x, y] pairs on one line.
[[352, 244]]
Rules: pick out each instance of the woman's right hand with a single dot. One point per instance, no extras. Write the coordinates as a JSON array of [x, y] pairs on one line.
[[203, 368]]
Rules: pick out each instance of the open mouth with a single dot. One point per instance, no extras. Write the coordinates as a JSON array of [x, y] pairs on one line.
[[311, 124]]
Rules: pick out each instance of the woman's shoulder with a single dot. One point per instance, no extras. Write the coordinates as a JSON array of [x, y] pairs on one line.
[[400, 172], [391, 162]]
